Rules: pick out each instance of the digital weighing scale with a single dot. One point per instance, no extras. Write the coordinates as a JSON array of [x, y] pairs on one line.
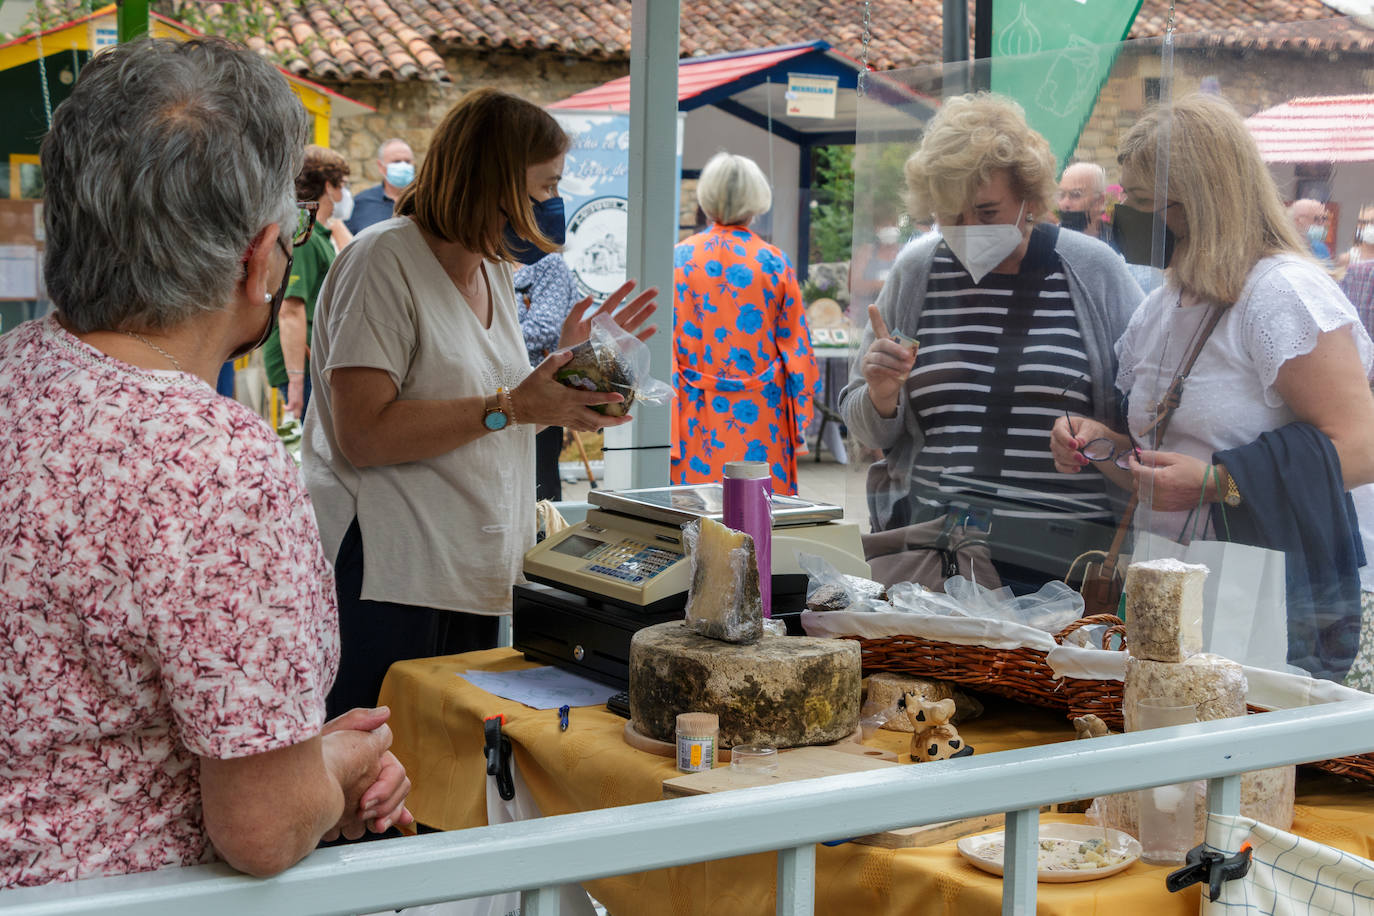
[[625, 567]]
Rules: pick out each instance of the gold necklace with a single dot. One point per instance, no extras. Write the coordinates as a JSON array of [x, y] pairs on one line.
[[170, 358]]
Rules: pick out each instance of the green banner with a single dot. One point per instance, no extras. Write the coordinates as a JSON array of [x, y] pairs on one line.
[[1053, 57]]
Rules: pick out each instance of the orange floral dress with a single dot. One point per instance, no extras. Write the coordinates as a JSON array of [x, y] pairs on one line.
[[745, 374]]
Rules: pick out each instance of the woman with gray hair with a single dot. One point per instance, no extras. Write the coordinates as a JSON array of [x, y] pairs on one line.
[[743, 367], [167, 615]]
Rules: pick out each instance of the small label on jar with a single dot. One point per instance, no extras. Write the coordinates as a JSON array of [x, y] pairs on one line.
[[695, 754]]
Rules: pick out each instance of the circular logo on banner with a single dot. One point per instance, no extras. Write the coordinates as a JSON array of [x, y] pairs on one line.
[[595, 246]]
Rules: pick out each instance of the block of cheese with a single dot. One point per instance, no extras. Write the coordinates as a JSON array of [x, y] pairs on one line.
[[723, 600], [1217, 687], [1164, 609], [885, 690], [784, 691]]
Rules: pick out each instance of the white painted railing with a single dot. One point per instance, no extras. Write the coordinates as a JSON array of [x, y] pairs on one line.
[[536, 856]]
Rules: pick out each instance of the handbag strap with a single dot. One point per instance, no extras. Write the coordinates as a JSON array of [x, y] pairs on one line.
[[1165, 410]]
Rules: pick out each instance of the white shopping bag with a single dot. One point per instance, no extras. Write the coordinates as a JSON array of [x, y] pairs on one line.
[[1289, 875], [1244, 601]]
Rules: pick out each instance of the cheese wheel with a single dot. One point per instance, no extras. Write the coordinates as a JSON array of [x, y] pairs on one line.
[[783, 691], [1164, 609]]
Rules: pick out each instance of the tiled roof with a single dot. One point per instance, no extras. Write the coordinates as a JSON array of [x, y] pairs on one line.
[[385, 40]]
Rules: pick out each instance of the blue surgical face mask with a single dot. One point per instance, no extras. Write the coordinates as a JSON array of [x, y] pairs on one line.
[[400, 174], [549, 217], [1316, 232]]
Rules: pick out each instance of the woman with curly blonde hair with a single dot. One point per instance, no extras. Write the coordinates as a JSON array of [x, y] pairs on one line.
[[1015, 321]]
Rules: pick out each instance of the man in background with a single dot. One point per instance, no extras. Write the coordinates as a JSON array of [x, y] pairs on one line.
[[396, 163], [1310, 217], [1082, 200]]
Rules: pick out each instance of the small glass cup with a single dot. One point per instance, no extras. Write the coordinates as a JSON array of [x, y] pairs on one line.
[[1167, 814], [753, 758]]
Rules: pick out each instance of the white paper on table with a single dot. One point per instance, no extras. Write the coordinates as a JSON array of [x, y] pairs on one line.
[[18, 272], [541, 688]]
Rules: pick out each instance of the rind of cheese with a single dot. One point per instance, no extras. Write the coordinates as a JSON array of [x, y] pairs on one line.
[[1164, 609], [723, 601], [784, 691]]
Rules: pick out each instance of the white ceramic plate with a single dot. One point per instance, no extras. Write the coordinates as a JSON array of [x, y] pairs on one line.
[[985, 851]]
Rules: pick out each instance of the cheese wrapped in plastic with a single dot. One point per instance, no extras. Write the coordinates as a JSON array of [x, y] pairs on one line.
[[723, 601], [1164, 609]]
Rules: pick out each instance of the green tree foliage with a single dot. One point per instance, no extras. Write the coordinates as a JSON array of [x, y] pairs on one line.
[[855, 189], [832, 204]]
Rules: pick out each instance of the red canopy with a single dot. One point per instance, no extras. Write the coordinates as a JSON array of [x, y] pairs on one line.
[[1336, 128]]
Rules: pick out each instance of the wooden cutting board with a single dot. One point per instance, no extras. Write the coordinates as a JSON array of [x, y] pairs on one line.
[[811, 762]]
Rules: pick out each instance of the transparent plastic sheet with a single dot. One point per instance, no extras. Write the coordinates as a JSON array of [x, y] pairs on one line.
[[613, 360], [1095, 95]]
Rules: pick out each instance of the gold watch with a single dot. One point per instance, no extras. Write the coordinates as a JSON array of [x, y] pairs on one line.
[[1230, 495]]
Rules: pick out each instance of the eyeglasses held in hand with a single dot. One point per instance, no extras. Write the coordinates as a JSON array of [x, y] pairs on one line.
[[1105, 449]]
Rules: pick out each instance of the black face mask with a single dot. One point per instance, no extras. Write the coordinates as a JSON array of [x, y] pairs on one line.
[[1133, 232], [1077, 220], [549, 217]]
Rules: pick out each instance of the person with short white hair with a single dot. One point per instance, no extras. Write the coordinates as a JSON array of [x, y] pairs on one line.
[[396, 164], [743, 367], [1082, 200]]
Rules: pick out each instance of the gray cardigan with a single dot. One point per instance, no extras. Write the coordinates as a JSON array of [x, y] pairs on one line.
[[1103, 294]]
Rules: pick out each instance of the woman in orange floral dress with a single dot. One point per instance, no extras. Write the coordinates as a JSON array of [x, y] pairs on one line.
[[745, 375]]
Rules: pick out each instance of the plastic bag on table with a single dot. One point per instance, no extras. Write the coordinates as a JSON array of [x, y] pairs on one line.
[[613, 360], [828, 589], [741, 619], [1051, 609]]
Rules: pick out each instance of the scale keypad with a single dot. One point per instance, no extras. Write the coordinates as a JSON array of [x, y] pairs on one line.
[[630, 561]]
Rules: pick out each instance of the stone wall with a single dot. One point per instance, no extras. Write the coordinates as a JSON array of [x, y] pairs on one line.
[[411, 110]]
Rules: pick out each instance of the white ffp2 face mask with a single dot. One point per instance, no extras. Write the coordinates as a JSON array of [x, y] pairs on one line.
[[1367, 233], [981, 248], [343, 210]]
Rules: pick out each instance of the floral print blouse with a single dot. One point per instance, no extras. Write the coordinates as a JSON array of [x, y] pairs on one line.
[[745, 374], [163, 596]]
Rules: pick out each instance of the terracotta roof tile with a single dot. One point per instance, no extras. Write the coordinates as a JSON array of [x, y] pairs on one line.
[[406, 39]]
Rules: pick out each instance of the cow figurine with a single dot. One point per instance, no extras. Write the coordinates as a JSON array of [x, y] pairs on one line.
[[934, 738]]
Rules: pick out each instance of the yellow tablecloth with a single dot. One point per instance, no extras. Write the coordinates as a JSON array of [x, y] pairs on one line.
[[437, 721]]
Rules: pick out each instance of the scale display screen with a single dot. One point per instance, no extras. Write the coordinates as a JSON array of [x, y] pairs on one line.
[[578, 546]]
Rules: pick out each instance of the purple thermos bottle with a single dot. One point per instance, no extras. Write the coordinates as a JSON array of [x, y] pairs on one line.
[[749, 508]]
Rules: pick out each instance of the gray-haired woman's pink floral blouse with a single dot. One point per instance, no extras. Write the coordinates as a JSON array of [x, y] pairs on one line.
[[163, 596]]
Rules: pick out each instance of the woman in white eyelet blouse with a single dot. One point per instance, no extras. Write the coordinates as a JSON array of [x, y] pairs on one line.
[[1288, 345]]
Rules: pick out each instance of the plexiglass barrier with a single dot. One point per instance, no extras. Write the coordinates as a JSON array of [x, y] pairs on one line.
[[1124, 270]]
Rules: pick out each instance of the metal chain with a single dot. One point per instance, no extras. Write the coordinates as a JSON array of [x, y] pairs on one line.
[[1169, 26], [868, 40], [43, 75]]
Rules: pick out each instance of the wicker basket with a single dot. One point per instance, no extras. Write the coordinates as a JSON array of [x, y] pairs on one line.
[[1024, 674], [1020, 674]]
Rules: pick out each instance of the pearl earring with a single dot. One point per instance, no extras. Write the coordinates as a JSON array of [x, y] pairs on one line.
[[266, 298]]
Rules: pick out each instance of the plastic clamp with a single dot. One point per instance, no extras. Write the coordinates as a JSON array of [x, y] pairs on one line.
[[1208, 865], [498, 752]]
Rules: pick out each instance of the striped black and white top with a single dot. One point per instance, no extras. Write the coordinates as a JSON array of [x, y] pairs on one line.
[[999, 361]]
